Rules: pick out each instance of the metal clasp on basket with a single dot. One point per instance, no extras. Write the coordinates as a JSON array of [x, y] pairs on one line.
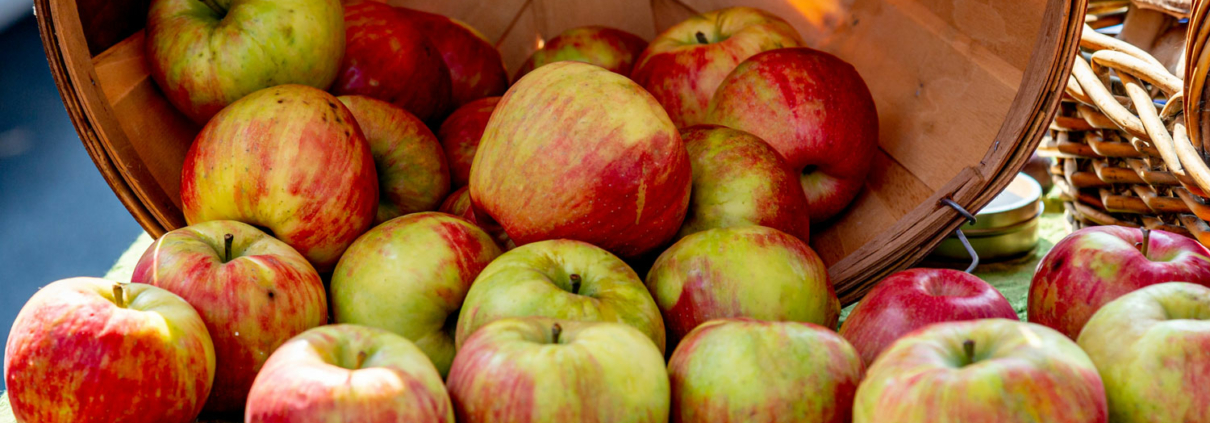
[[961, 236]]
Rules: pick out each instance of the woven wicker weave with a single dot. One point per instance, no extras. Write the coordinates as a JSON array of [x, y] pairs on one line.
[[1124, 156]]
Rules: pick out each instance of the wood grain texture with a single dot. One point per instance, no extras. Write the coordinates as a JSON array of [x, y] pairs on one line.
[[965, 90]]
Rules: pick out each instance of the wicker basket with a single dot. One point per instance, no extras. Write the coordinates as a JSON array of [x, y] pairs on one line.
[[964, 90], [1124, 153]]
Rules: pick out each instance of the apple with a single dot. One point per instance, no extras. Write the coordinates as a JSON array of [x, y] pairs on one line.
[[915, 298], [460, 135], [1151, 347], [749, 271], [409, 276], [685, 65], [1095, 265], [610, 48], [459, 204], [541, 370], [739, 180], [561, 279], [411, 166], [252, 291], [291, 160], [476, 68], [601, 164], [388, 57], [87, 350], [982, 371], [348, 373], [207, 54], [815, 110], [744, 370]]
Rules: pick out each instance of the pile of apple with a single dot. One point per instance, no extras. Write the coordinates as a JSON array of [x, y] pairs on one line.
[[328, 274]]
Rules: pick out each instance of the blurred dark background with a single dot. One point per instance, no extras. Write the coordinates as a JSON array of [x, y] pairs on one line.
[[58, 217]]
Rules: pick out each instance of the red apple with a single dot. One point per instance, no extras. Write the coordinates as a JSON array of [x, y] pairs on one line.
[[748, 271], [1096, 265], [253, 292], [683, 66], [915, 298], [982, 371], [609, 48], [745, 370], [289, 159], [412, 172], [460, 135], [388, 57], [207, 54], [459, 204], [815, 110], [87, 350], [739, 180], [348, 373], [601, 163], [541, 370], [476, 69]]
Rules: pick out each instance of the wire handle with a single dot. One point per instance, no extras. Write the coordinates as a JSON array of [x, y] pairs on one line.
[[961, 236]]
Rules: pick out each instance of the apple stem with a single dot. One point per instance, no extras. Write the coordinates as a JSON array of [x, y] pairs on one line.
[[227, 240], [968, 347], [361, 358], [701, 38], [555, 331], [214, 6], [119, 297], [575, 283], [1146, 242]]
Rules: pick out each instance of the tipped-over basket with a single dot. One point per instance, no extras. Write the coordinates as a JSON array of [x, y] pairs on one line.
[[965, 90]]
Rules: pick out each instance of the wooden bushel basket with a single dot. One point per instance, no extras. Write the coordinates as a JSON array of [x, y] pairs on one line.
[[965, 90]]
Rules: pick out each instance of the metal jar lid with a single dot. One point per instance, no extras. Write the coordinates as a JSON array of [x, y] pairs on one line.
[[1006, 227]]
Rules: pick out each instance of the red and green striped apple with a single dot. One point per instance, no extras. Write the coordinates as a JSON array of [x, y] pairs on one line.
[[207, 54], [601, 164], [348, 373], [541, 370], [459, 204], [685, 65], [561, 279], [290, 159], [87, 350], [749, 271], [814, 109], [982, 371], [1093, 266], [252, 291], [610, 48], [739, 180], [411, 166], [410, 276], [1152, 348], [744, 370]]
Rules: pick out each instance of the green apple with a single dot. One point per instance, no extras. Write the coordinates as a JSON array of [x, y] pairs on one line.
[[749, 271], [610, 48], [409, 276], [744, 370], [561, 279], [205, 54], [1152, 347], [982, 371], [348, 373], [541, 370], [87, 350], [412, 172]]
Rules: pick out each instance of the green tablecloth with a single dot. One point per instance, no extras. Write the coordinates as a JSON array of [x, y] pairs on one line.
[[1010, 277]]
